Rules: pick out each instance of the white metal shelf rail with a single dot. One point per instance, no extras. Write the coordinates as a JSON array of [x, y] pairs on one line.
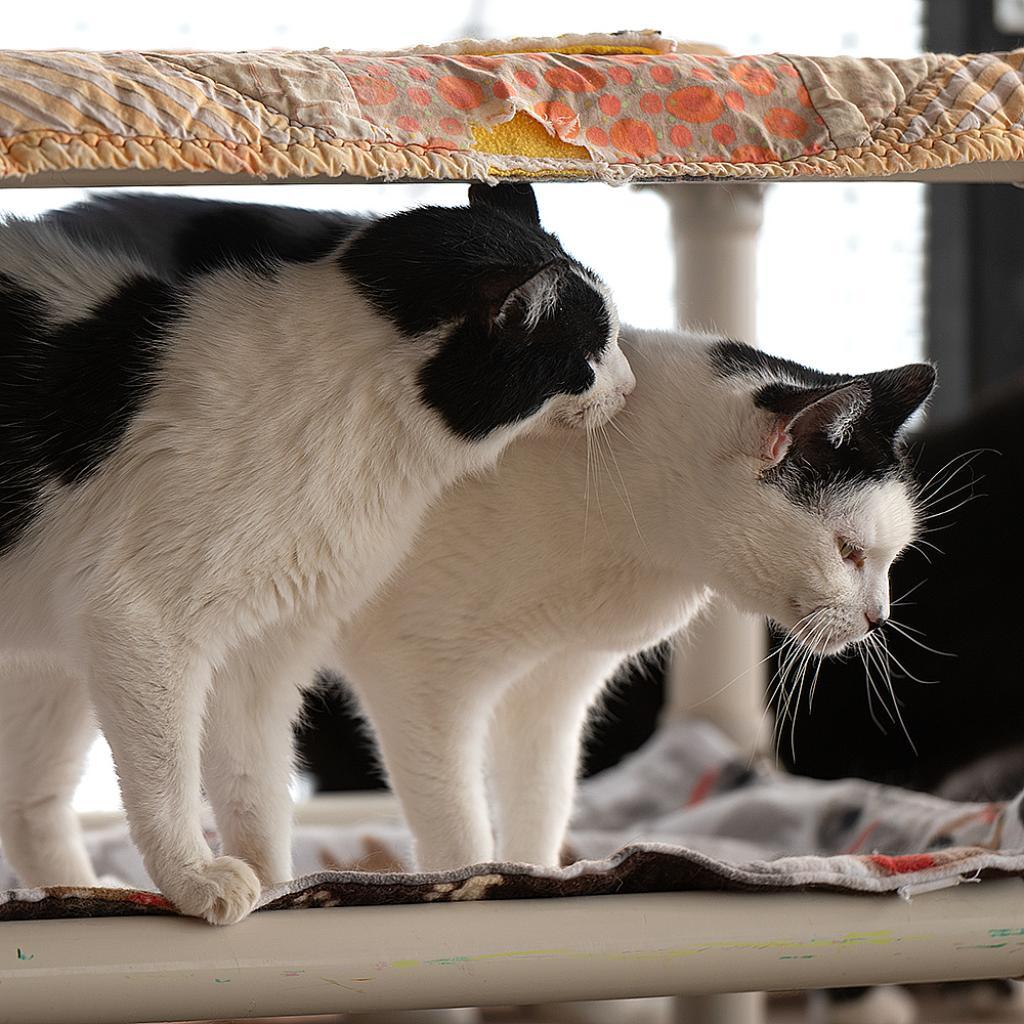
[[500, 953]]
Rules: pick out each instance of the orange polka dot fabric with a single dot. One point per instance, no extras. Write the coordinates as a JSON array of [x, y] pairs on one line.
[[623, 108], [618, 108]]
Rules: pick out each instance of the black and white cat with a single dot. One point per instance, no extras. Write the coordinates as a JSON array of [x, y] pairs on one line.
[[783, 489], [203, 472]]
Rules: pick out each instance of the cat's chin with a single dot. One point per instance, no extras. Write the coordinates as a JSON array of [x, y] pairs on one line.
[[834, 647], [826, 646], [831, 647], [585, 415]]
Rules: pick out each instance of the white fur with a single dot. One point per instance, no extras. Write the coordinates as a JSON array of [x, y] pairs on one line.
[[267, 488], [74, 276], [527, 589]]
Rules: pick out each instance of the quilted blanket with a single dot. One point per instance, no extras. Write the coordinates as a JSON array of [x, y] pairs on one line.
[[618, 108], [685, 813]]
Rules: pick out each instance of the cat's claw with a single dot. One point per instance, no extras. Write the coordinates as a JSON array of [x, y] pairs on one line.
[[224, 891]]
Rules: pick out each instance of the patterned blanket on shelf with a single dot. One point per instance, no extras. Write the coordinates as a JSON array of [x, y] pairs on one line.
[[684, 813], [617, 108]]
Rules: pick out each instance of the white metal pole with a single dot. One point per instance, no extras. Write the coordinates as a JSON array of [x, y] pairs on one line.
[[715, 673], [715, 232]]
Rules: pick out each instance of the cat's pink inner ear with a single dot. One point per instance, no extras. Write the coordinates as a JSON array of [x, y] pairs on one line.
[[776, 443]]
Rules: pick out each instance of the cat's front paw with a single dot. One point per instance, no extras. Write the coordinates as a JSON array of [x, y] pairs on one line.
[[222, 892]]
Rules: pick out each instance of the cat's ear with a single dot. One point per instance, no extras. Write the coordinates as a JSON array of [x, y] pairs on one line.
[[516, 199], [528, 293], [897, 394], [805, 414]]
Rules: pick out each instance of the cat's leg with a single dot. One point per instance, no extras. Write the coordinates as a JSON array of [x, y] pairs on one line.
[[431, 725], [248, 752], [46, 728], [535, 750], [149, 697]]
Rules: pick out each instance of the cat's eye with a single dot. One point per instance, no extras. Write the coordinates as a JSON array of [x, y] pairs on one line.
[[850, 552]]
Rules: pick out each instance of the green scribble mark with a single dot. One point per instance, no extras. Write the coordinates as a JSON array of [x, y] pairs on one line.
[[447, 961], [221, 981], [874, 938], [347, 988], [986, 945], [804, 956], [22, 955], [523, 952], [1004, 933]]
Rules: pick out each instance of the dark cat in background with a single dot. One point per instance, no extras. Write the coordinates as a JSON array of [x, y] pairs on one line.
[[961, 599]]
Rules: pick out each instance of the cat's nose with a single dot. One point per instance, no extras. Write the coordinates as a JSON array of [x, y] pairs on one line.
[[875, 620]]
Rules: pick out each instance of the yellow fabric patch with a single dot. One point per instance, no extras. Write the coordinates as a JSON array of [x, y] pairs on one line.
[[524, 136]]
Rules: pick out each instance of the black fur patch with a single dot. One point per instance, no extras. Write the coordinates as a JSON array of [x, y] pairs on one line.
[[517, 199], [734, 359], [257, 237], [435, 266], [426, 267], [481, 381], [68, 394], [871, 451], [184, 236], [22, 313]]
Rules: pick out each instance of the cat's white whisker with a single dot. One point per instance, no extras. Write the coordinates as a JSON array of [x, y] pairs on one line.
[[880, 641], [924, 506], [809, 653], [803, 631], [870, 691], [626, 437], [897, 601], [875, 662], [586, 499], [924, 554], [772, 691], [772, 653], [903, 631], [928, 517], [625, 491], [927, 491]]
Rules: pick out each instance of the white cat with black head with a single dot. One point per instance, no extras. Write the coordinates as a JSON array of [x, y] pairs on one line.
[[203, 472], [780, 488]]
